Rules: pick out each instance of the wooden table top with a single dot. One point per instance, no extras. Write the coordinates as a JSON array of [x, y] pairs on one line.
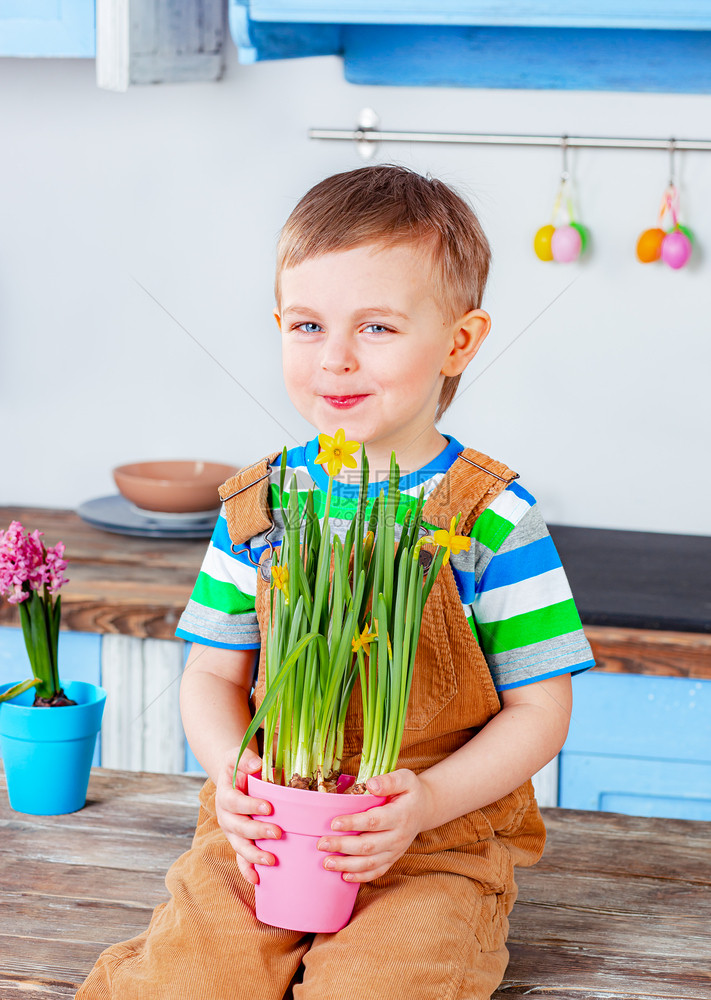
[[140, 586], [619, 906], [117, 583]]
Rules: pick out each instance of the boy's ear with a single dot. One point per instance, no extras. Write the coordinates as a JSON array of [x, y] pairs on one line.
[[469, 333], [277, 317]]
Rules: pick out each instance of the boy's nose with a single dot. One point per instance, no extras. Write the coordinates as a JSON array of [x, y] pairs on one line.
[[337, 357]]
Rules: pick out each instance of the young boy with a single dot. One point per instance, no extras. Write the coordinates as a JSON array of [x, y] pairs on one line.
[[379, 282]]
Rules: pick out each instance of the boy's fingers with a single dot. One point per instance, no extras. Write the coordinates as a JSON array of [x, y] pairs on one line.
[[248, 852], [359, 869], [249, 762], [234, 801], [351, 847], [249, 829], [359, 822], [248, 871], [392, 783]]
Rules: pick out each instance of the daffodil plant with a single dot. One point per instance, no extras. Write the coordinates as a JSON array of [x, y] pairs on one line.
[[343, 611]]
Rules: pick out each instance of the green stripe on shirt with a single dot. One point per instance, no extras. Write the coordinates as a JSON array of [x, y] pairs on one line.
[[491, 530], [221, 596], [344, 507], [528, 628]]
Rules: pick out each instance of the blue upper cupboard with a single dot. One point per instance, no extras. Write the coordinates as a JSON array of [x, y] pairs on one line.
[[636, 45], [55, 28]]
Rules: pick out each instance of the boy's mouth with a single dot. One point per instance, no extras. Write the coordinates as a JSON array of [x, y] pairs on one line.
[[344, 402]]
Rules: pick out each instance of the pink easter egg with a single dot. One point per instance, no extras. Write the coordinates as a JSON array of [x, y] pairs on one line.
[[566, 244], [676, 249]]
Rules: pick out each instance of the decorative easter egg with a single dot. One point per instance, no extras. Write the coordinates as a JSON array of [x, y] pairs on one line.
[[566, 244], [676, 249], [542, 243], [687, 232], [584, 235], [649, 245]]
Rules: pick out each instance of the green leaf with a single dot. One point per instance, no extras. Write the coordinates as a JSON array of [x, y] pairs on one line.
[[41, 666], [282, 476], [18, 689], [273, 693]]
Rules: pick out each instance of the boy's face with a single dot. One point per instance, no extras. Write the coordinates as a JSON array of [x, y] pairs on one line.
[[366, 345]]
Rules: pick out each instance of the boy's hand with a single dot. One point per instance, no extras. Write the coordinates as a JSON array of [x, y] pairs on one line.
[[234, 807], [386, 831]]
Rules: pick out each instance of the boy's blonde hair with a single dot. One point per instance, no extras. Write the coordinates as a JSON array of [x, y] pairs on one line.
[[390, 205]]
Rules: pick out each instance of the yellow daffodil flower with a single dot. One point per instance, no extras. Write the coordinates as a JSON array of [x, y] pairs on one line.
[[364, 640], [280, 580], [336, 452], [452, 542]]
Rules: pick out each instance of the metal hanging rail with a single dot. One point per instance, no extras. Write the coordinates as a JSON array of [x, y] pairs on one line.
[[367, 135]]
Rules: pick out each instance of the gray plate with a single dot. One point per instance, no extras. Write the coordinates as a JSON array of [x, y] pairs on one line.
[[116, 514]]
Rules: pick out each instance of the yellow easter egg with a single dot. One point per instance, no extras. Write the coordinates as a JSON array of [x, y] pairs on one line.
[[542, 243]]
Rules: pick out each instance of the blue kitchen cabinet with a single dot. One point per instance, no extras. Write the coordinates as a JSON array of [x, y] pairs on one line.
[[636, 45], [79, 659], [48, 28], [693, 14], [638, 744]]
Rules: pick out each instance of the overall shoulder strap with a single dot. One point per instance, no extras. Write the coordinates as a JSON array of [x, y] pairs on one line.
[[470, 485], [246, 500]]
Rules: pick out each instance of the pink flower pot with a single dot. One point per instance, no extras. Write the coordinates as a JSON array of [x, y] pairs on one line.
[[298, 893]]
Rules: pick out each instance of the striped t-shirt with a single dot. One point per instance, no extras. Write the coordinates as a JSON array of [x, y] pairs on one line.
[[513, 588]]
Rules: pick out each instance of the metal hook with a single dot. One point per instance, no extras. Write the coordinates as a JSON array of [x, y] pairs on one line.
[[269, 558], [267, 539], [487, 471], [565, 173], [672, 171], [247, 487], [368, 121]]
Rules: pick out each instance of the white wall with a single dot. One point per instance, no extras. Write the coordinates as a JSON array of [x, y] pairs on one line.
[[602, 405]]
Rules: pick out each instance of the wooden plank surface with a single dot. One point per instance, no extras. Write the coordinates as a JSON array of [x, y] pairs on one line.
[[647, 651], [619, 906], [139, 587], [117, 583]]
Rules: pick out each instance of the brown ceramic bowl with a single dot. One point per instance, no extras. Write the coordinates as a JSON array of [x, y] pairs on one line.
[[174, 487]]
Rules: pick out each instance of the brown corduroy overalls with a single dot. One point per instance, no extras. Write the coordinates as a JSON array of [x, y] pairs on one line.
[[434, 926]]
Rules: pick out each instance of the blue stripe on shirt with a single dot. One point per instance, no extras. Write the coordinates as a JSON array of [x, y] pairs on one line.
[[182, 633], [221, 536], [520, 564], [223, 543], [521, 493]]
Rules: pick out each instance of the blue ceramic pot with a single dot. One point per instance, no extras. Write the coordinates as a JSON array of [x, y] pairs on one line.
[[47, 752]]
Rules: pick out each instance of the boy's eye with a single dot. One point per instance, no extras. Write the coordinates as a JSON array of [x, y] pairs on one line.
[[308, 327], [377, 328]]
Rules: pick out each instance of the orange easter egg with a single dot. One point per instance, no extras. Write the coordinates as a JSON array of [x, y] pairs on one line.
[[542, 243], [649, 245]]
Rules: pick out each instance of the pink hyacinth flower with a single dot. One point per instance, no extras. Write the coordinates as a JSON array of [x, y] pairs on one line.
[[25, 564], [56, 566]]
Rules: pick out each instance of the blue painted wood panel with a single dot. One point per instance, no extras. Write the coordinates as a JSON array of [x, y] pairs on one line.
[[48, 28], [678, 790], [643, 46], [79, 660], [535, 58], [639, 745], [551, 13], [258, 41], [666, 718]]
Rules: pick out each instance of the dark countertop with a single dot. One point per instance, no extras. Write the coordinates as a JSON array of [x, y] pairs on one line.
[[638, 579]]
